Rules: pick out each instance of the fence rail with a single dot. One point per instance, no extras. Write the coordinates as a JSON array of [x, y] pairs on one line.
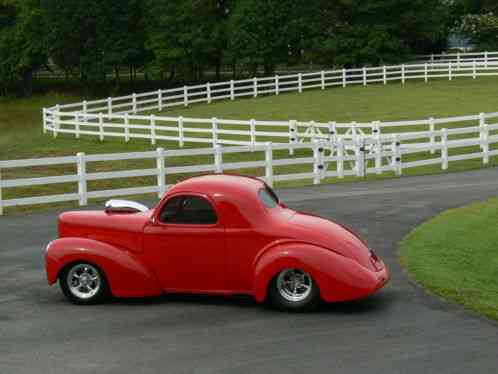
[[319, 150], [340, 157], [117, 117]]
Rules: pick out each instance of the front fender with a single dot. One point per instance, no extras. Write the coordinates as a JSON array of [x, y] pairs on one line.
[[125, 271], [339, 278]]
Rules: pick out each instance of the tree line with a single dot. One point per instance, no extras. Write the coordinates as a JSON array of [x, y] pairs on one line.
[[104, 41]]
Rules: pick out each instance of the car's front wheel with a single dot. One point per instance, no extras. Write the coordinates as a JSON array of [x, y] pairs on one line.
[[295, 290], [83, 283]]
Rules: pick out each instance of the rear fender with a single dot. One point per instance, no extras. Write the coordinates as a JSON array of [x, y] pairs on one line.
[[339, 278], [125, 271]]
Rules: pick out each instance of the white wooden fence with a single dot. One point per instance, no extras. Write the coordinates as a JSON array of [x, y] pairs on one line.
[[325, 149], [117, 117], [322, 159]]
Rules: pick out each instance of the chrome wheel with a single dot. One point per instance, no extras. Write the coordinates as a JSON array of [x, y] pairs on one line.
[[83, 281], [294, 285]]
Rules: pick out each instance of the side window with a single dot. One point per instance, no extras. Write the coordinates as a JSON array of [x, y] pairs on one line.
[[193, 210], [268, 197]]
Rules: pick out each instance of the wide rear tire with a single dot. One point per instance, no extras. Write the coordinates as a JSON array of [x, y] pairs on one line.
[[294, 290]]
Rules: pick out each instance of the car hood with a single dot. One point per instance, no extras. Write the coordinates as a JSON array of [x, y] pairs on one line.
[[332, 236]]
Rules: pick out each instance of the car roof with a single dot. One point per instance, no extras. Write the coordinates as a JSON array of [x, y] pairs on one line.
[[226, 184]]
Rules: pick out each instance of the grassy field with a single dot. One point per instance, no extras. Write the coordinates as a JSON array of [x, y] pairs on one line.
[[444, 257], [22, 137]]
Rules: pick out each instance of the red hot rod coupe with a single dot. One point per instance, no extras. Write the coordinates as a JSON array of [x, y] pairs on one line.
[[213, 234]]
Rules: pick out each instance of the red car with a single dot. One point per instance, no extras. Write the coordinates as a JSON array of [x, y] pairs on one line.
[[215, 234]]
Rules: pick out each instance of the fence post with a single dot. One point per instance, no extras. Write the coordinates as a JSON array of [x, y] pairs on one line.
[[344, 80], [474, 69], [432, 129], [161, 172], [384, 71], [332, 132], [85, 106], [109, 105], [300, 82], [277, 88], [185, 96], [252, 127], [486, 59], [77, 126], [403, 78], [444, 149], [396, 155], [1, 199], [160, 100], [323, 79], [56, 120], [232, 90], [215, 131], [153, 129], [82, 187], [482, 126], [485, 144], [318, 166], [180, 132], [218, 159], [134, 103], [269, 164], [255, 83], [482, 119], [378, 147], [44, 111], [364, 76], [450, 71], [101, 127], [360, 156], [126, 127], [340, 158], [292, 135], [426, 73], [208, 92], [458, 61]]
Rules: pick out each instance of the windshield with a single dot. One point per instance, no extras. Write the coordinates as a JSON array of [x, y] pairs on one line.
[[268, 197]]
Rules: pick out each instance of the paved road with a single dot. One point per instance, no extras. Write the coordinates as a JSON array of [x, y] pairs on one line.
[[399, 330]]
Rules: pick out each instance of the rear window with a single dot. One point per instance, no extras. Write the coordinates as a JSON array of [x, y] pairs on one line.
[[268, 197]]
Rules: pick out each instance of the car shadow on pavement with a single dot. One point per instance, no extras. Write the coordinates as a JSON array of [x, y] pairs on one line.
[[371, 304]]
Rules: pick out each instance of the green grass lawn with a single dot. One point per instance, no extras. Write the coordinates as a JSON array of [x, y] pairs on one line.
[[455, 255], [22, 136]]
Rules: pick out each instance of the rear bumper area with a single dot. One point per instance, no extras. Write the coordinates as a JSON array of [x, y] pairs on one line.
[[358, 283]]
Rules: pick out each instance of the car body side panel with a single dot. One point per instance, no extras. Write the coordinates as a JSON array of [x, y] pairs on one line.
[[127, 274], [339, 278]]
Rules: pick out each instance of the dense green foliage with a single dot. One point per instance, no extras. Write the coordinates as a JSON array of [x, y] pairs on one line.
[[454, 255], [99, 41], [478, 20]]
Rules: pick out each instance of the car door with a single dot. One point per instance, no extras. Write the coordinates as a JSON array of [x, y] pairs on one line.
[[185, 244]]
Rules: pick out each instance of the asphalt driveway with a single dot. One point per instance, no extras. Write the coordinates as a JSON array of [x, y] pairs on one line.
[[399, 330]]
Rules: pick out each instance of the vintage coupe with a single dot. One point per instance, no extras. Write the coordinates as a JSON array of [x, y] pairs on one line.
[[214, 234]]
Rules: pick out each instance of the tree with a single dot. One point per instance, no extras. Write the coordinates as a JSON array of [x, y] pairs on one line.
[[22, 43], [187, 36], [260, 33], [95, 37], [478, 20], [357, 32]]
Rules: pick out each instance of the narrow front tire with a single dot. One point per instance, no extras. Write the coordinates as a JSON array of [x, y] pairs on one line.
[[84, 284]]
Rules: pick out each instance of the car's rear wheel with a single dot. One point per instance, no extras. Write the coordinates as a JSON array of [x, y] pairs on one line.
[[295, 290], [84, 283]]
